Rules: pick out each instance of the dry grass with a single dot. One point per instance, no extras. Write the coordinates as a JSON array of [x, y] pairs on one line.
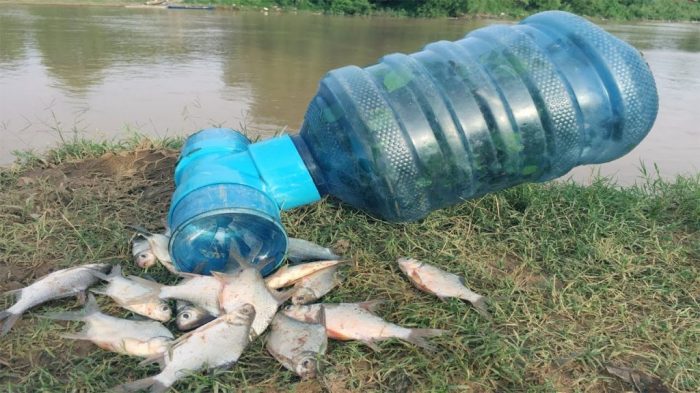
[[578, 277]]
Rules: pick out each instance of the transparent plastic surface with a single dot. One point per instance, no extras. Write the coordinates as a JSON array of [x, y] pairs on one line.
[[503, 106], [209, 220]]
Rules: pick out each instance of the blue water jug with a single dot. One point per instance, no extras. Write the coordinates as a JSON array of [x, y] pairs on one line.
[[415, 133]]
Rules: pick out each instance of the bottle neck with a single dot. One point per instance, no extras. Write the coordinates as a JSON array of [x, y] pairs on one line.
[[310, 162], [284, 172]]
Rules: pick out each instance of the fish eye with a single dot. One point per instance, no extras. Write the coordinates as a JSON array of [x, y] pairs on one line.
[[165, 308], [185, 315], [307, 363]]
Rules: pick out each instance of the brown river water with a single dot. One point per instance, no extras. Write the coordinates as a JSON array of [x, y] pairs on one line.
[[108, 73]]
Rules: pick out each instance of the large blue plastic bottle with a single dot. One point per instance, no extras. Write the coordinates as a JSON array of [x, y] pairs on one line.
[[415, 133]]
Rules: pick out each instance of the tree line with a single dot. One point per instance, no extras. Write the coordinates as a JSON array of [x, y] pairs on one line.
[[611, 9]]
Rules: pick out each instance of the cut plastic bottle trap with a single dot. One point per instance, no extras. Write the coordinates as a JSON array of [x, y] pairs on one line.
[[414, 133]]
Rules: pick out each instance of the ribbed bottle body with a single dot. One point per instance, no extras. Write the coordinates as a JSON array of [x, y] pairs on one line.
[[503, 106]]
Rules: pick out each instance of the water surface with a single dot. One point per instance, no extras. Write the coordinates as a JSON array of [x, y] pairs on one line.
[[109, 72]]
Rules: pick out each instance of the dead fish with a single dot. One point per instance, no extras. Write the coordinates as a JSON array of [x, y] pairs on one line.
[[202, 291], [288, 275], [217, 344], [159, 246], [128, 337], [299, 250], [440, 283], [191, 317], [316, 285], [297, 345], [356, 321], [247, 286], [141, 251], [59, 284], [124, 290]]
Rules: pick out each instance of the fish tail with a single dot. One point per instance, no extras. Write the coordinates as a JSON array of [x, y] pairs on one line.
[[480, 304], [90, 308], [150, 383], [116, 270], [8, 320], [419, 337]]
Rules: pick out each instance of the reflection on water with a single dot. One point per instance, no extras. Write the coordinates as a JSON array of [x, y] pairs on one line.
[[105, 72]]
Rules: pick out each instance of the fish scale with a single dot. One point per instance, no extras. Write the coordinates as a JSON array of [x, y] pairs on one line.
[[59, 284]]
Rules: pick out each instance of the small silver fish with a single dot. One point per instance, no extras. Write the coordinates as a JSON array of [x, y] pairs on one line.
[[440, 283], [59, 284], [288, 275], [191, 317], [141, 251], [135, 338], [217, 344], [356, 321], [202, 291], [316, 285], [297, 345], [299, 250], [124, 290], [159, 246], [247, 286]]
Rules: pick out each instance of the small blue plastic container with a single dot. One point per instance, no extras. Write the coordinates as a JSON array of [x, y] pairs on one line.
[[226, 201]]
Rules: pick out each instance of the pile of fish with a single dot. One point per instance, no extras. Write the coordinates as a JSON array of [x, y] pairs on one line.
[[224, 312]]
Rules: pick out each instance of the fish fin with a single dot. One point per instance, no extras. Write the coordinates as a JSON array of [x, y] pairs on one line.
[[199, 268], [321, 317], [90, 308], [65, 316], [372, 345], [8, 320], [81, 296], [99, 291], [150, 383], [371, 305], [283, 296], [223, 277], [186, 276], [160, 359], [169, 266], [75, 336], [12, 292], [140, 230], [236, 258], [292, 259], [116, 271], [418, 337]]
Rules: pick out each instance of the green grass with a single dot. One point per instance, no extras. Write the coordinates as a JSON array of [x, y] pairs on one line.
[[577, 277]]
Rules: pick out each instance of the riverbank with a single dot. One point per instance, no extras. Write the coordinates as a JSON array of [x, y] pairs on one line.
[[663, 10], [577, 277]]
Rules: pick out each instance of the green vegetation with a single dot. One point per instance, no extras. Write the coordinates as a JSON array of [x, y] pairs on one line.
[[611, 9], [578, 277]]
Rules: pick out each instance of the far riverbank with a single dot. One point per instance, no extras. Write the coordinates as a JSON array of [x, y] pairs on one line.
[[618, 10]]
